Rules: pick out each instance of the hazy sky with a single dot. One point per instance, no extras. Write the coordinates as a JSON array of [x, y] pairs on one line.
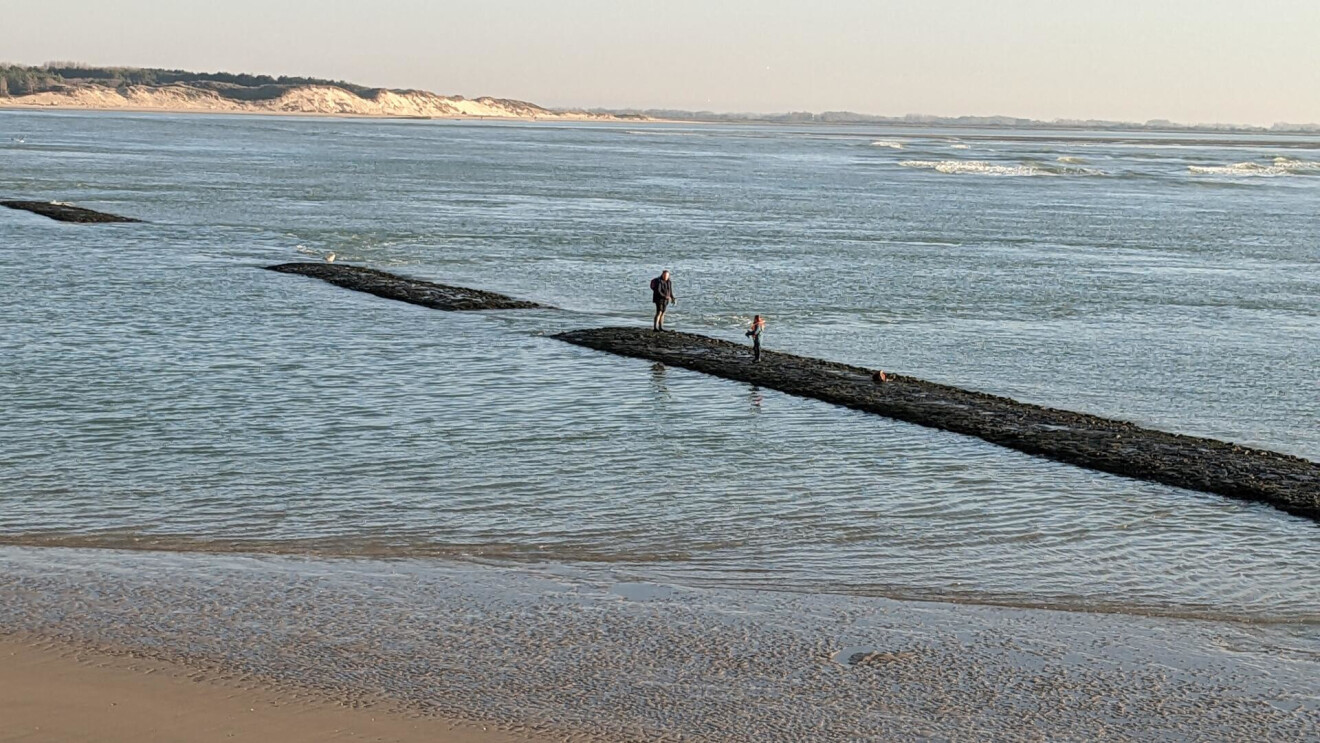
[[1195, 61]]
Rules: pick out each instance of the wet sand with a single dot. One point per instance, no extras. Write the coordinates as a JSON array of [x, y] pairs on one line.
[[61, 693], [589, 654]]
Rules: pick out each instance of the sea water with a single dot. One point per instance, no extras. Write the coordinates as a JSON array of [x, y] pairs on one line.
[[160, 391]]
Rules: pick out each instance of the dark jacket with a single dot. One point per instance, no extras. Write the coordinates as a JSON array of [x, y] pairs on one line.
[[662, 290]]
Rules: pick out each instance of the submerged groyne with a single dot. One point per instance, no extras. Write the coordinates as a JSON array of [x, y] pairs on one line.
[[65, 212], [404, 289], [1286, 482]]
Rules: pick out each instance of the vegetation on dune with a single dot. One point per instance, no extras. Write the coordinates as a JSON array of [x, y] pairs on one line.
[[80, 84], [16, 80]]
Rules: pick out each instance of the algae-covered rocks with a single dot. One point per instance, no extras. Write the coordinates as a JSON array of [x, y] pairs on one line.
[[1286, 482], [405, 289], [66, 212]]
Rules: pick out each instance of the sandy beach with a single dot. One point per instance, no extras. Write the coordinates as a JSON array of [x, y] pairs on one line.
[[188, 646], [54, 692], [310, 100], [9, 105]]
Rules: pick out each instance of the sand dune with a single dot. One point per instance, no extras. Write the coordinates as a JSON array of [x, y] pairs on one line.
[[308, 99]]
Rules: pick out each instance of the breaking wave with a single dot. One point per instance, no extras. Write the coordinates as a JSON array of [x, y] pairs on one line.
[[983, 167], [1277, 167], [892, 144]]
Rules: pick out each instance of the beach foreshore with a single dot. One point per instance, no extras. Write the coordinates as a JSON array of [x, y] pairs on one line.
[[583, 653], [58, 692]]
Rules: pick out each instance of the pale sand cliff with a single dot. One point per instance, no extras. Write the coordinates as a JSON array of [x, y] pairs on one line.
[[309, 99], [62, 694]]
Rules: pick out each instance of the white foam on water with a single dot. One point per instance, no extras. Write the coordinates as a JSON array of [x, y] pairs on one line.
[[1279, 166], [977, 167], [984, 167], [1071, 160], [660, 133], [890, 143], [960, 146]]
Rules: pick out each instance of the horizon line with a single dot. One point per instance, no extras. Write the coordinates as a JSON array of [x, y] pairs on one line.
[[840, 116]]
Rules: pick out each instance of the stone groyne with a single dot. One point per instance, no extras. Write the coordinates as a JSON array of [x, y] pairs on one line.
[[404, 289], [1286, 482], [65, 212]]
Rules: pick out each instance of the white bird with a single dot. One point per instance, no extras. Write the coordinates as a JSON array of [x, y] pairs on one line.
[[330, 258]]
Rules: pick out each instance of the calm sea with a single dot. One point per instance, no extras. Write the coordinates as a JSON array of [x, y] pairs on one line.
[[159, 391]]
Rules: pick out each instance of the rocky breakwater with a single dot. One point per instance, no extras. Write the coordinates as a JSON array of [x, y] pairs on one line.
[[404, 289], [65, 212], [1286, 482]]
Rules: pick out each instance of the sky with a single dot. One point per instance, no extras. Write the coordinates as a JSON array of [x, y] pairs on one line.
[[1191, 61]]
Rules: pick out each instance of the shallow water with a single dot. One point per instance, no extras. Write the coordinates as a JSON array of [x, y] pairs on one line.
[[162, 392]]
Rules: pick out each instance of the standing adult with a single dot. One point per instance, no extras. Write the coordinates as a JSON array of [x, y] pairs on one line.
[[758, 327], [662, 294]]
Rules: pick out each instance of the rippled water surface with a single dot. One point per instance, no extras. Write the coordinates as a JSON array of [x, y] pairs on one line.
[[159, 390]]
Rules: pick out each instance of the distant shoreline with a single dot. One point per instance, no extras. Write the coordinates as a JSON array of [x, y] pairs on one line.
[[1035, 131], [19, 104], [83, 87], [7, 105], [1026, 132]]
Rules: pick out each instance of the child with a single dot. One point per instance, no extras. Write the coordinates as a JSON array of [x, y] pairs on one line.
[[758, 326]]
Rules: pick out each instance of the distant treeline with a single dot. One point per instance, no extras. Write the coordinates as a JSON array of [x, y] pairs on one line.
[[18, 80], [24, 80]]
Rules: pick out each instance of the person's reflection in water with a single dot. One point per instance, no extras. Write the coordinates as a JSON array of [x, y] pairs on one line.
[[658, 379], [756, 398]]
